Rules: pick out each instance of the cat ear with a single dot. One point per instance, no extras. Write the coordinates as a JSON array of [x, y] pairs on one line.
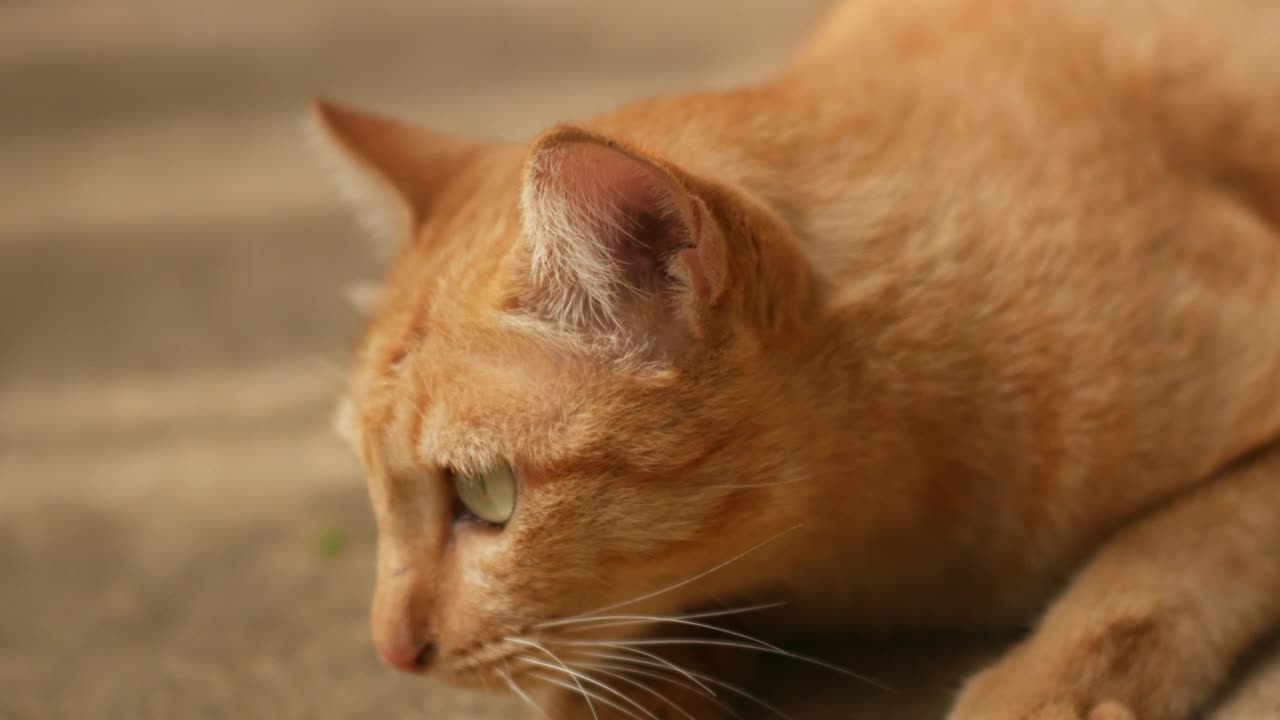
[[391, 171], [616, 240]]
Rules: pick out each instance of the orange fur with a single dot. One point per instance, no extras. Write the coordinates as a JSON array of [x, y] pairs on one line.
[[973, 290]]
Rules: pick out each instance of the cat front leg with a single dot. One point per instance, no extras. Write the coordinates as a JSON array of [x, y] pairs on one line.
[[1153, 623]]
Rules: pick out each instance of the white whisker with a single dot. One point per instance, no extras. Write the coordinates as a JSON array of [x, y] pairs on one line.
[[588, 695], [663, 662], [612, 620], [539, 647], [682, 583], [714, 681], [650, 674], [636, 683], [632, 619], [515, 688], [731, 611], [768, 649], [586, 676]]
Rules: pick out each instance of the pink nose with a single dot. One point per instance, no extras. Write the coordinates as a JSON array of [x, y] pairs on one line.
[[413, 658]]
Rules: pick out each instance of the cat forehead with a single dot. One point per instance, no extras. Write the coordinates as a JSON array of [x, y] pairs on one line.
[[470, 436], [469, 395], [456, 371]]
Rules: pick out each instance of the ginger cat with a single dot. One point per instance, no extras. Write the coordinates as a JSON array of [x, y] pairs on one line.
[[970, 318]]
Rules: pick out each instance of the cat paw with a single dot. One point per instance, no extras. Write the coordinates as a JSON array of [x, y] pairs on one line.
[[1006, 693]]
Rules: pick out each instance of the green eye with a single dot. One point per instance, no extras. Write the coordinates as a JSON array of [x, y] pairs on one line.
[[490, 495]]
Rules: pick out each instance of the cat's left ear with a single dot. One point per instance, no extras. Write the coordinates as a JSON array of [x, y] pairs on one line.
[[619, 242], [392, 171]]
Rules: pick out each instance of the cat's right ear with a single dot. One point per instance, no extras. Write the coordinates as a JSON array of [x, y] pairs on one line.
[[393, 172]]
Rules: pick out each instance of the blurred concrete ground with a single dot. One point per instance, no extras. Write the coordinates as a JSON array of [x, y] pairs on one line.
[[180, 535]]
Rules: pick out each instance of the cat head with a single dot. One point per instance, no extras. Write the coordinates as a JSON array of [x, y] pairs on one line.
[[566, 398]]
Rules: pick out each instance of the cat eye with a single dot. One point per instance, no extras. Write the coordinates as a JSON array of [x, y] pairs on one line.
[[489, 495]]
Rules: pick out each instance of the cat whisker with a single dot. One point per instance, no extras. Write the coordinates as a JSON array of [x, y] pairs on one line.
[[701, 689], [765, 648], [739, 691], [519, 691], [612, 620], [587, 695], [635, 619], [587, 677], [732, 611], [484, 679], [603, 670], [682, 583], [543, 649], [663, 662]]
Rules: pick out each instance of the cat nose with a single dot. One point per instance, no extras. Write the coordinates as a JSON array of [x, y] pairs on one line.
[[411, 658]]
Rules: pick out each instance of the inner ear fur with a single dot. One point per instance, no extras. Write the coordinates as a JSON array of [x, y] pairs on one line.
[[616, 238]]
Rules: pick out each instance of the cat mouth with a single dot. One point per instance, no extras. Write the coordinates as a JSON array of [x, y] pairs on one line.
[[506, 659], [477, 663]]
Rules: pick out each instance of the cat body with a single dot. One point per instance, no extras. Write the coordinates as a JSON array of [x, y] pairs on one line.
[[972, 311]]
